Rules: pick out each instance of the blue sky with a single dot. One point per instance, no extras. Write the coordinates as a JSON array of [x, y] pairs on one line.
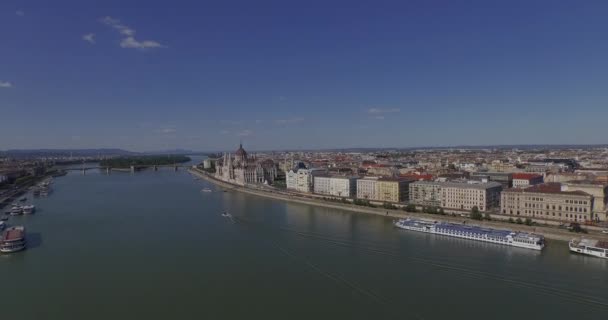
[[203, 75]]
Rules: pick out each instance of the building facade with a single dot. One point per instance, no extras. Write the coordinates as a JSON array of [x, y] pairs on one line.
[[243, 169], [548, 201], [335, 186], [425, 193], [392, 190], [599, 192], [466, 195], [302, 180], [366, 188]]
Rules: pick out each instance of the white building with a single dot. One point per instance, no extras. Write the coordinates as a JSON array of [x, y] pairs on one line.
[[366, 188], [335, 186], [302, 180]]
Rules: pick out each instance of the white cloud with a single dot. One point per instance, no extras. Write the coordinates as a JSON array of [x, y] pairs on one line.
[[380, 110], [245, 133], [20, 13], [168, 130], [289, 121], [129, 40], [89, 37], [379, 117], [5, 84]]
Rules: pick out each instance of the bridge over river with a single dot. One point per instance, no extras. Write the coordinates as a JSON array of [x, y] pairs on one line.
[[134, 168]]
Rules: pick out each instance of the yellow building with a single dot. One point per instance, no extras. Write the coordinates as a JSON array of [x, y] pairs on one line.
[[392, 189]]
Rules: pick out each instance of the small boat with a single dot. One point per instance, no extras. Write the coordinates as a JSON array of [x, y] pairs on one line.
[[226, 215], [2, 225], [206, 190], [4, 218], [16, 210], [29, 209], [23, 199], [13, 239]]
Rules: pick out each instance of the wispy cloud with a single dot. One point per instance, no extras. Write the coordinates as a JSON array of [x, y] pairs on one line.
[[231, 122], [168, 130], [20, 13], [289, 121], [380, 110], [5, 84], [379, 117], [89, 37], [245, 133], [128, 33]]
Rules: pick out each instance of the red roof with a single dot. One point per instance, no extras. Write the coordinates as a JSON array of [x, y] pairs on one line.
[[526, 176]]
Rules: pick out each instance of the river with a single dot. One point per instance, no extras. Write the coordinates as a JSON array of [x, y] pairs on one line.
[[151, 245]]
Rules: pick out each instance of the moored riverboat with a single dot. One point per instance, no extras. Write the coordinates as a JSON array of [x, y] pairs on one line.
[[590, 247], [13, 240], [497, 236], [16, 210], [29, 209]]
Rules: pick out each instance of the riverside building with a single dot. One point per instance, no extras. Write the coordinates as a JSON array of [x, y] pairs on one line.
[[302, 180], [548, 201], [366, 188], [466, 195], [425, 193], [243, 169], [392, 189], [338, 186]]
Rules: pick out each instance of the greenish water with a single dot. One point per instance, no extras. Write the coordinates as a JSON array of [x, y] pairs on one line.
[[150, 245]]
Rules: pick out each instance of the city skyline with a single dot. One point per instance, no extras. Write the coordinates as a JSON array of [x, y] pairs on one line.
[[203, 76]]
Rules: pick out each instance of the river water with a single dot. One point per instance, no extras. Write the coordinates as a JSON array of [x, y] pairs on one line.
[[150, 245]]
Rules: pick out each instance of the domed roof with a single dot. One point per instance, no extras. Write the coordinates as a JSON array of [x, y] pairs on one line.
[[241, 152]]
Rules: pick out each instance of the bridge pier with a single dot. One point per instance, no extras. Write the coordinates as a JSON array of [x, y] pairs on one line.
[[176, 168], [108, 170], [84, 171], [132, 169], [155, 168]]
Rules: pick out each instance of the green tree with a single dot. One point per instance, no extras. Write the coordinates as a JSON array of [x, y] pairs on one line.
[[441, 212], [519, 221], [476, 214], [528, 222], [511, 220], [410, 208], [487, 216]]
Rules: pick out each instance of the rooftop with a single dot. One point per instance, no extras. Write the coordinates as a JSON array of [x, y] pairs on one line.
[[551, 187], [526, 176]]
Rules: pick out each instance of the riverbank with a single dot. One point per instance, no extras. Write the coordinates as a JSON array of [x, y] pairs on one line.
[[551, 233], [22, 189]]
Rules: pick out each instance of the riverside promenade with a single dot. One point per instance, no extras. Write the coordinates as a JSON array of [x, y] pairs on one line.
[[552, 233]]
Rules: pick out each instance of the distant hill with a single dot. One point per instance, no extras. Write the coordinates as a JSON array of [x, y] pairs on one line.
[[38, 153]]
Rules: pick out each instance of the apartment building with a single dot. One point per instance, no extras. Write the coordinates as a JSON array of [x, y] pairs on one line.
[[366, 188], [339, 186], [425, 193], [392, 189], [466, 195]]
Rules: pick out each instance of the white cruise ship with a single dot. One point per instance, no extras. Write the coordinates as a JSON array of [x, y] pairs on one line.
[[504, 237], [596, 248]]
